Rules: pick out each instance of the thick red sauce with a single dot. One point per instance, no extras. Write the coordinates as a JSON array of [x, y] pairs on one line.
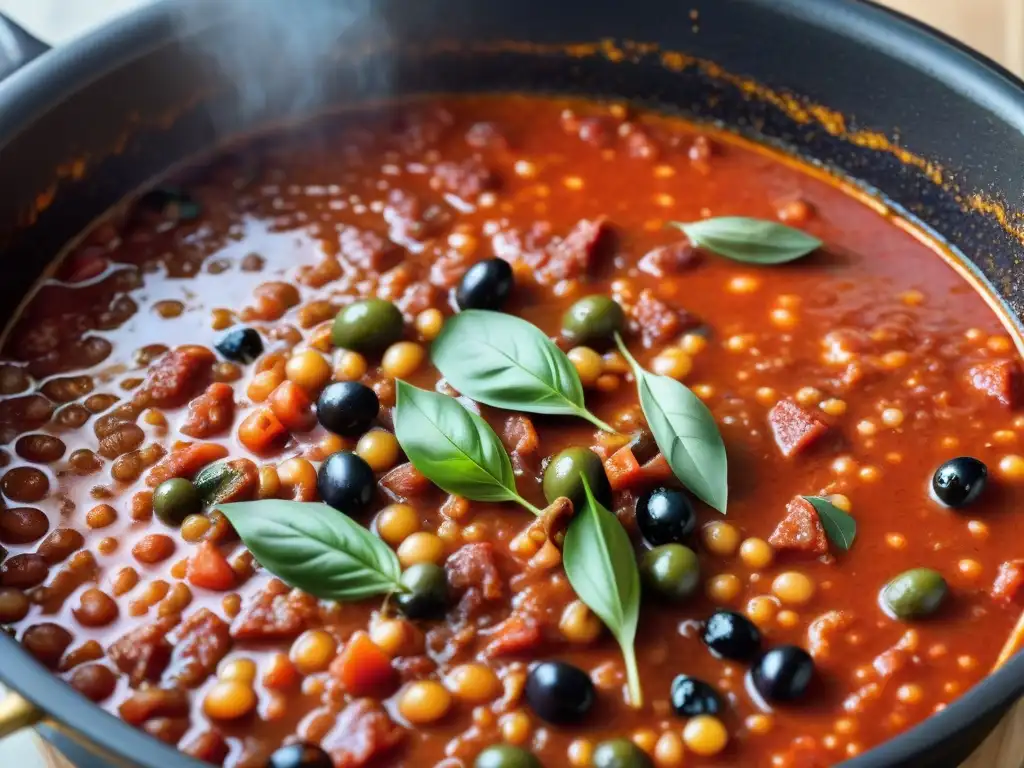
[[874, 335]]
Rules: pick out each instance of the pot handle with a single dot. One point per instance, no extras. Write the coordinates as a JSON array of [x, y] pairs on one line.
[[17, 713], [17, 47]]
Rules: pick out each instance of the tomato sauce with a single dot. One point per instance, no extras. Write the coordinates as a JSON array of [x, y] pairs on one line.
[[111, 369]]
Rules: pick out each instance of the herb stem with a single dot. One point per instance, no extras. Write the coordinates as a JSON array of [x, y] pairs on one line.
[[524, 503], [585, 414], [625, 353], [636, 695]]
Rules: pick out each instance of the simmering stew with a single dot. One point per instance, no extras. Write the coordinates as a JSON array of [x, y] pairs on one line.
[[510, 432]]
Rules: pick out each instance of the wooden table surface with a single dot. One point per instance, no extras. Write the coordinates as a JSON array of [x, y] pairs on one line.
[[995, 27]]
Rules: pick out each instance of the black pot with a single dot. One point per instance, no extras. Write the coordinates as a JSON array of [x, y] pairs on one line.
[[176, 79]]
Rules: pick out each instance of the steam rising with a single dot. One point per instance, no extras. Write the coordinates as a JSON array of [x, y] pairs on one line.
[[283, 59]]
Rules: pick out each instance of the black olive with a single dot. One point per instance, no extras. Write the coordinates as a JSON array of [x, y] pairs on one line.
[[732, 636], [242, 345], [665, 516], [426, 595], [692, 697], [347, 408], [620, 753], [559, 692], [960, 481], [368, 325], [299, 755], [346, 482], [782, 674], [485, 285], [506, 756]]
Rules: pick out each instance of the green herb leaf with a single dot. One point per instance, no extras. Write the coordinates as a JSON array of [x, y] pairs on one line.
[[505, 362], [315, 548], [456, 449], [839, 526], [601, 566], [753, 241], [686, 433]]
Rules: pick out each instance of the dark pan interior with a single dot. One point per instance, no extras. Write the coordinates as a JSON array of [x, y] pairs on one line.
[[85, 125]]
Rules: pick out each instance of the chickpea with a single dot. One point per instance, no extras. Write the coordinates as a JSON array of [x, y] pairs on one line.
[[350, 366], [423, 702], [668, 751], [312, 651], [402, 359], [397, 637], [721, 538], [580, 753], [515, 727], [473, 683], [100, 516], [1011, 467], [705, 735], [761, 609], [724, 588], [229, 700], [588, 364], [241, 670], [578, 623], [96, 608], [263, 384], [429, 323], [397, 522], [672, 362], [793, 588], [378, 448], [756, 553], [309, 370], [693, 343], [421, 547], [297, 477], [194, 527], [269, 483]]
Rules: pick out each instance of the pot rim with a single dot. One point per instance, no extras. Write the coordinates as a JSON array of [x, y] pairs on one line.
[[43, 83]]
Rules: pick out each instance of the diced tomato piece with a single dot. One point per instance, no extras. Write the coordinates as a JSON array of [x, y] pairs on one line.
[[516, 635], [280, 674], [275, 613], [177, 375], [405, 482], [823, 633], [998, 379], [657, 470], [800, 530], [211, 413], [520, 437], [292, 406], [363, 669], [202, 641], [623, 469], [208, 568], [794, 429], [362, 733], [1009, 581], [185, 462], [262, 432], [144, 653], [474, 565]]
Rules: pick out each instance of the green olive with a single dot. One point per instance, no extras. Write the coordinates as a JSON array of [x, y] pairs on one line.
[[369, 325], [426, 592], [620, 753], [593, 320], [914, 593], [175, 499], [562, 477], [506, 756], [671, 570]]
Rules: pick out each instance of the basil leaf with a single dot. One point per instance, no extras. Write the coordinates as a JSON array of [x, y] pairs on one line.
[[505, 362], [315, 548], [839, 526], [456, 449], [754, 241], [601, 566], [686, 433]]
